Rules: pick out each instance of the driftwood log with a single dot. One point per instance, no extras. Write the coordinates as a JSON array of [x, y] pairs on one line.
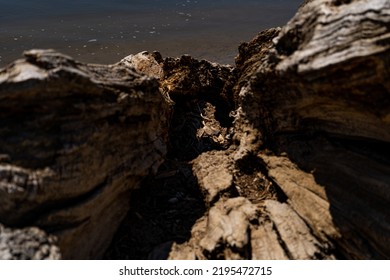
[[289, 148]]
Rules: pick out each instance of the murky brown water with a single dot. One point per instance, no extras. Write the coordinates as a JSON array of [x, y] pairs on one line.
[[104, 31]]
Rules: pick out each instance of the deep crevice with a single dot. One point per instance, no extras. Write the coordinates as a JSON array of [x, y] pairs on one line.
[[163, 211], [341, 2], [282, 243], [251, 168]]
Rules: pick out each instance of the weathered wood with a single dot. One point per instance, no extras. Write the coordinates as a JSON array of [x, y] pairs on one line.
[[27, 244], [326, 70], [299, 242], [214, 174], [265, 243], [76, 139], [228, 223], [304, 195], [318, 97], [307, 175], [313, 120]]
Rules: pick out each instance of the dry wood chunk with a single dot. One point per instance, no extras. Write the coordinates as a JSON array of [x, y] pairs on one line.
[[228, 223], [295, 235], [265, 243], [213, 172]]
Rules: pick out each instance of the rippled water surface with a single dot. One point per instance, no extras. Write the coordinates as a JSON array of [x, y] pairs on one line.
[[104, 31]]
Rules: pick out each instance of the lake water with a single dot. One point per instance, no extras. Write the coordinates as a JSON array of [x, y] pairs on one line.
[[104, 31]]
